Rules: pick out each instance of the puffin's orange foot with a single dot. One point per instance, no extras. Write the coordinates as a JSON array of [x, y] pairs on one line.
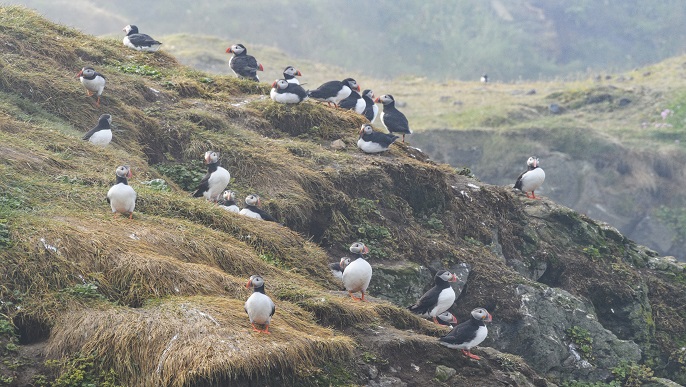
[[436, 321], [470, 355], [353, 297], [266, 330], [90, 93]]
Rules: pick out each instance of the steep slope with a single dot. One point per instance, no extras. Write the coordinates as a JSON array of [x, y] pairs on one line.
[[157, 300]]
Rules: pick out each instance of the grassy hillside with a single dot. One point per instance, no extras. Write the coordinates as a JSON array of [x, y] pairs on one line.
[[157, 300]]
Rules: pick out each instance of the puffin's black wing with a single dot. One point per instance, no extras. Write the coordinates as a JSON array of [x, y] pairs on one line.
[[142, 40], [518, 183], [203, 186], [369, 109], [395, 121], [462, 333], [263, 214], [273, 309], [427, 301], [245, 65], [91, 132], [327, 90], [384, 139], [335, 266], [295, 89], [350, 101]]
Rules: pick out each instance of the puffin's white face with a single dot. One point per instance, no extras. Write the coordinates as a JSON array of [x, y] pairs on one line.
[[369, 94], [344, 262], [482, 314], [385, 99], [255, 281], [366, 129], [229, 195], [87, 72], [359, 248], [237, 49], [446, 276], [447, 317], [290, 70], [127, 29], [352, 84], [252, 200], [281, 84], [123, 171], [211, 157], [532, 161]]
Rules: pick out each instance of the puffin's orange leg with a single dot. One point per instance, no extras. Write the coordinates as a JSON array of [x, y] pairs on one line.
[[470, 355], [131, 215], [436, 321], [90, 93], [533, 196], [353, 296], [97, 104], [362, 298], [254, 328], [266, 329]]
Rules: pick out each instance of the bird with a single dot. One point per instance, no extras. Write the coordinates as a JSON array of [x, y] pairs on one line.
[[138, 41], [259, 306], [338, 267], [252, 209], [374, 142], [371, 110], [446, 318], [93, 81], [101, 134], [358, 272], [438, 299], [216, 179], [392, 119], [532, 179], [121, 197], [242, 64], [290, 73], [288, 93], [468, 334], [228, 201], [333, 92], [484, 78], [353, 102]]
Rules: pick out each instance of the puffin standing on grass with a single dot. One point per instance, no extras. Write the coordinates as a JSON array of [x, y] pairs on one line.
[[353, 102], [392, 119], [532, 179], [333, 92], [469, 334], [358, 272], [93, 81], [288, 93], [338, 267], [259, 306], [371, 110], [290, 73], [374, 142], [252, 209], [438, 299], [228, 201], [101, 134], [242, 64], [138, 41], [216, 179], [121, 197]]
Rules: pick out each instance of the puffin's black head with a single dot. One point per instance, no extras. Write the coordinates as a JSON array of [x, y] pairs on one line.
[[291, 71], [130, 29], [359, 248], [252, 200], [86, 72], [446, 318], [368, 93], [345, 261], [123, 171], [481, 314], [105, 121], [366, 129], [280, 84], [386, 99], [532, 162], [211, 157], [237, 49], [351, 83], [444, 276], [255, 282]]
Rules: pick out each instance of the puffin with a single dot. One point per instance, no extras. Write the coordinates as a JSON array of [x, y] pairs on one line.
[[333, 92], [338, 267], [392, 118], [290, 73], [93, 81], [358, 272], [374, 142], [259, 306], [101, 134], [121, 197], [468, 334], [252, 209], [353, 102], [138, 41], [446, 318], [371, 110], [438, 299], [242, 64], [530, 180], [216, 179], [228, 201], [286, 92], [484, 78]]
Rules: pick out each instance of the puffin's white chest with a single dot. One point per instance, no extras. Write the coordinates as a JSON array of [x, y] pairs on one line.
[[446, 298], [96, 85], [532, 180], [360, 105], [342, 94], [247, 212], [294, 81], [101, 137], [370, 146], [232, 208], [122, 198], [357, 275], [284, 97], [219, 179], [231, 64], [375, 109], [259, 307], [384, 122]]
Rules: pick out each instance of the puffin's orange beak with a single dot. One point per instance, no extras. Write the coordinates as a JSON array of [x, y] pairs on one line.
[[274, 85], [129, 175], [453, 278], [249, 284], [365, 250], [377, 100], [79, 74], [259, 67], [359, 88], [361, 131], [228, 50], [454, 320], [298, 73], [488, 318]]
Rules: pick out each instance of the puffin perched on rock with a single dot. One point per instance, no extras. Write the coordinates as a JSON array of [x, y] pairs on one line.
[[121, 197], [242, 64], [371, 110], [287, 92], [228, 201], [253, 210], [259, 306], [290, 73], [333, 92], [338, 267], [101, 134], [216, 179], [93, 81], [391, 118], [532, 179], [374, 142], [358, 272], [138, 41], [438, 299], [468, 334]]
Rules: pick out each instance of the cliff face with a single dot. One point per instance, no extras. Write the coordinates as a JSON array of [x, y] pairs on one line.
[[158, 300]]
